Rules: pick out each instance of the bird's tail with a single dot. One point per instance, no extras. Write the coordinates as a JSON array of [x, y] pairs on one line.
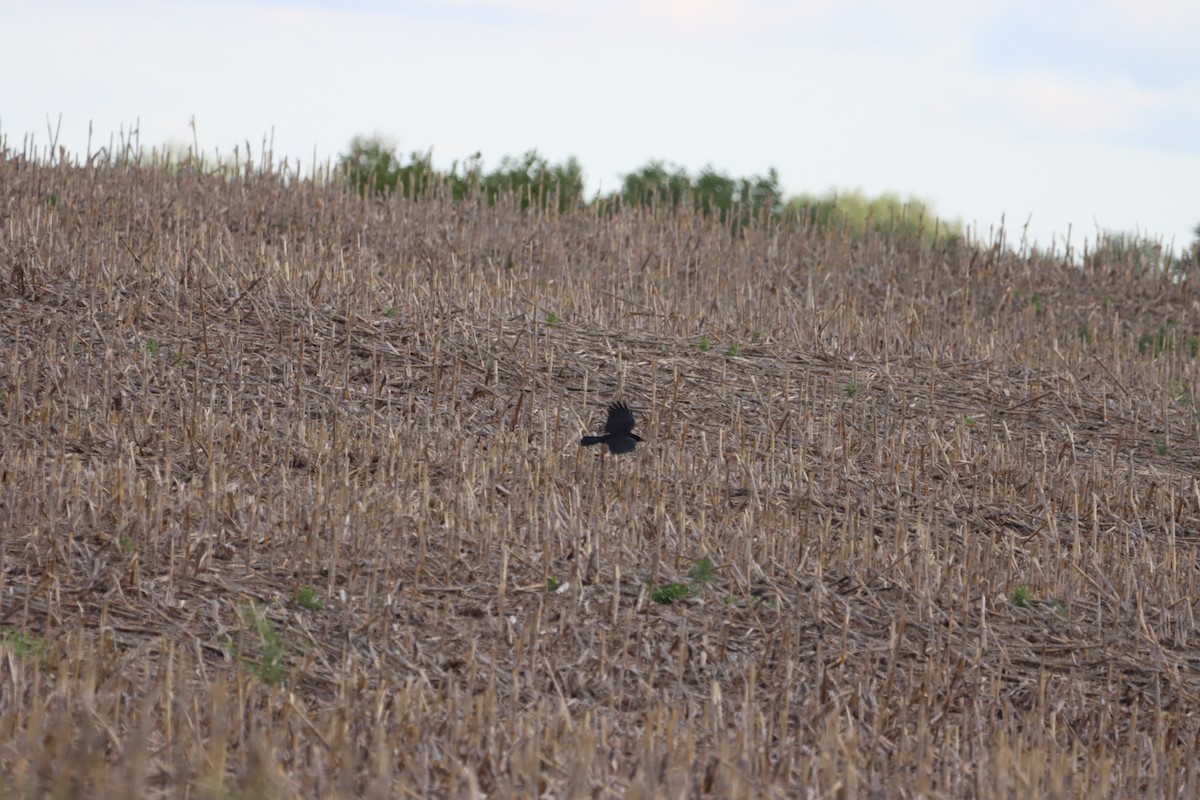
[[587, 440]]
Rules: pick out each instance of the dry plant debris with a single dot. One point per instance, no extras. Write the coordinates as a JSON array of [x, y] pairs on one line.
[[292, 504]]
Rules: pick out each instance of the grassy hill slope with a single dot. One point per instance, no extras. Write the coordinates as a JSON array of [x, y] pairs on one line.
[[292, 504]]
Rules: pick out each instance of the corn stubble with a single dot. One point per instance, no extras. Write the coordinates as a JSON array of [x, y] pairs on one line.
[[361, 404]]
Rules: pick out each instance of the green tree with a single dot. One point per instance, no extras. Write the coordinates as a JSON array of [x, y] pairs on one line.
[[418, 175], [656, 184], [467, 184], [536, 181], [886, 215], [712, 193], [567, 181], [761, 195], [372, 165]]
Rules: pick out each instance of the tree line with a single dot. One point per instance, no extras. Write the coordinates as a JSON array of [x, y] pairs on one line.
[[372, 166]]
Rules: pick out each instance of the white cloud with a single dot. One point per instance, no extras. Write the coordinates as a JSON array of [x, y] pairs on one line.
[[1160, 17], [1043, 103]]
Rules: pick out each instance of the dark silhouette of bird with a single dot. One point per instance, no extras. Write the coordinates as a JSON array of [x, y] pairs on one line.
[[618, 431]]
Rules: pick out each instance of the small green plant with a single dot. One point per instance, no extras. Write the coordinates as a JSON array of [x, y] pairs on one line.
[[307, 598], [127, 544], [1035, 300], [757, 337], [152, 346], [702, 573], [552, 584], [552, 318], [1022, 597], [261, 648], [1194, 346], [23, 644], [670, 593], [1153, 343], [271, 668], [851, 389], [1084, 334], [704, 344], [700, 576], [390, 313], [1058, 605], [488, 357], [970, 422], [1160, 448], [732, 351]]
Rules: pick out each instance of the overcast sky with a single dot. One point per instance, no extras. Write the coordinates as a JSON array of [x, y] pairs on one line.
[[1068, 113]]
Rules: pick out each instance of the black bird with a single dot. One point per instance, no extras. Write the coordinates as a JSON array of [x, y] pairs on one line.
[[618, 431]]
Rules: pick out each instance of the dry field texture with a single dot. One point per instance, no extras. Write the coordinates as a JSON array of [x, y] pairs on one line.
[[292, 504]]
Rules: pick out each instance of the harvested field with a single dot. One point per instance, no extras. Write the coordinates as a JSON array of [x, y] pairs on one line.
[[292, 504]]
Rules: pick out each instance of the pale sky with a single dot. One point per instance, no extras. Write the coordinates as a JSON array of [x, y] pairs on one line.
[[1066, 114]]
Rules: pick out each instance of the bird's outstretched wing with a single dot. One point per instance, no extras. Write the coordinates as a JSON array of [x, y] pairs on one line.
[[620, 420]]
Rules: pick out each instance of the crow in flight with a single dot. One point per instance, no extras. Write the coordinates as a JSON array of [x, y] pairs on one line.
[[618, 431]]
